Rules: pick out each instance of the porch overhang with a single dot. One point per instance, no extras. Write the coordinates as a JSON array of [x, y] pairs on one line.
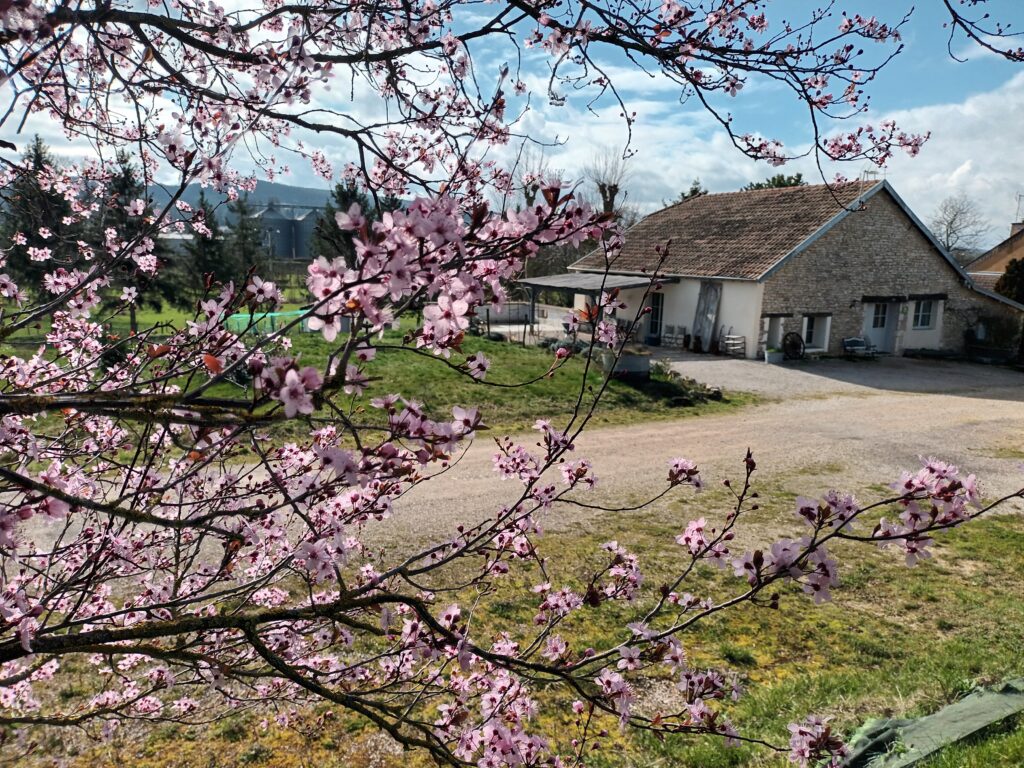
[[589, 282]]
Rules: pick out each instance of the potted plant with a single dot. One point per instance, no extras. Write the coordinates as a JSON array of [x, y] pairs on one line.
[[773, 355]]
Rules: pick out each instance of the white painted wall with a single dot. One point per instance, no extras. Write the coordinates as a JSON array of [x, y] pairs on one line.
[[681, 304], [923, 338], [741, 309], [632, 298]]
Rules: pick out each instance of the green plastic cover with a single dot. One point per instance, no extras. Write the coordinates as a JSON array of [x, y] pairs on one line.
[[894, 743]]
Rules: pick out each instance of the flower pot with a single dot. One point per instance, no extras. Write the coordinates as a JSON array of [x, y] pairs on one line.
[[632, 364]]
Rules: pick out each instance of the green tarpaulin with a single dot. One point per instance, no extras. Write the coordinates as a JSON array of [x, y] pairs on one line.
[[896, 743], [263, 322]]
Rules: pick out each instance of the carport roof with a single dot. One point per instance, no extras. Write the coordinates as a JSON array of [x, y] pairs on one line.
[[587, 282]]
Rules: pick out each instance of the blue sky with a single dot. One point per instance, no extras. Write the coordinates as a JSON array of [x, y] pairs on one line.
[[974, 110]]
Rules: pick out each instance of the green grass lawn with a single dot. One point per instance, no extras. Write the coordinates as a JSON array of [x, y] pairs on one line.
[[894, 642], [427, 380]]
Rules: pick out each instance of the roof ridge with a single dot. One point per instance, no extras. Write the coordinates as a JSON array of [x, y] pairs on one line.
[[864, 188], [797, 187]]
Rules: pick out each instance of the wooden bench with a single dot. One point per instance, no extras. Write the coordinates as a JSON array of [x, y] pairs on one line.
[[856, 346]]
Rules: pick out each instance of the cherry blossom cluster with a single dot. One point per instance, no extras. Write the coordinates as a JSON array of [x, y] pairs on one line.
[[428, 249]]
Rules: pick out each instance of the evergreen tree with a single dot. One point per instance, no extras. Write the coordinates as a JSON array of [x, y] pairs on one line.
[[778, 181], [154, 290], [329, 241], [33, 218], [207, 258], [696, 190], [244, 248], [1011, 283]]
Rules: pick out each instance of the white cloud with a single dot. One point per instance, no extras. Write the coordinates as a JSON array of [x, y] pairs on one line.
[[971, 50], [975, 147]]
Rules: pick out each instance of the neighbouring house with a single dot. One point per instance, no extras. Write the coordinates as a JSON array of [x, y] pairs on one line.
[[825, 261], [990, 266]]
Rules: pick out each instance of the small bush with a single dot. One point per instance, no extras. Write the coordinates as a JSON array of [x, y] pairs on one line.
[[737, 655]]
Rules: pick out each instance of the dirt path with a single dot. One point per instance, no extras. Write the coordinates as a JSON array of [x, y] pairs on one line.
[[852, 439]]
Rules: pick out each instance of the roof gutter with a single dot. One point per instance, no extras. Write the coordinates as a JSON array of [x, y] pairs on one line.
[[671, 275]]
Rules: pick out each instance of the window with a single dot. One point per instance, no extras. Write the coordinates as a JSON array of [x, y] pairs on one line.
[[816, 331], [880, 316], [923, 314], [657, 310]]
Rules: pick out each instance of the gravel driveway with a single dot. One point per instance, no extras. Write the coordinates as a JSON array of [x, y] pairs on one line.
[[827, 377], [849, 425]]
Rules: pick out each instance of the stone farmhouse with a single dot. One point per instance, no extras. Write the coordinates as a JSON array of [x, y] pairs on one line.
[[828, 262]]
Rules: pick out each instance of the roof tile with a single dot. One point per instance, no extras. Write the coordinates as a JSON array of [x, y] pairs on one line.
[[733, 235]]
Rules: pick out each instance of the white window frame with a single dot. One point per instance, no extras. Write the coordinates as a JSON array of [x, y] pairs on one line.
[[657, 304], [810, 323], [919, 306], [883, 316], [822, 330]]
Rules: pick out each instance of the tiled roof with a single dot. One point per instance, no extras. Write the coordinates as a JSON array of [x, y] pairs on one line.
[[986, 280], [735, 235]]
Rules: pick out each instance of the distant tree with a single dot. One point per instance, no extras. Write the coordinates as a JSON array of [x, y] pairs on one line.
[[532, 169], [609, 172], [959, 225], [1011, 284], [127, 210], [778, 181], [696, 190], [32, 221], [329, 240], [207, 258], [244, 247]]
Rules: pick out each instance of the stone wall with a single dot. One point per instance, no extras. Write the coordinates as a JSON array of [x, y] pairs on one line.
[[877, 251]]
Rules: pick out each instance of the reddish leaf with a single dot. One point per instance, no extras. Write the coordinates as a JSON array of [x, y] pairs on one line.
[[213, 364]]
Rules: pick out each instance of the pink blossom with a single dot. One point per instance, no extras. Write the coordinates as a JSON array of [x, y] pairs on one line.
[[629, 658], [295, 396]]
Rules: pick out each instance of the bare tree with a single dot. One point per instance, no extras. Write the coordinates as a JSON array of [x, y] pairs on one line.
[[959, 225], [608, 170]]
